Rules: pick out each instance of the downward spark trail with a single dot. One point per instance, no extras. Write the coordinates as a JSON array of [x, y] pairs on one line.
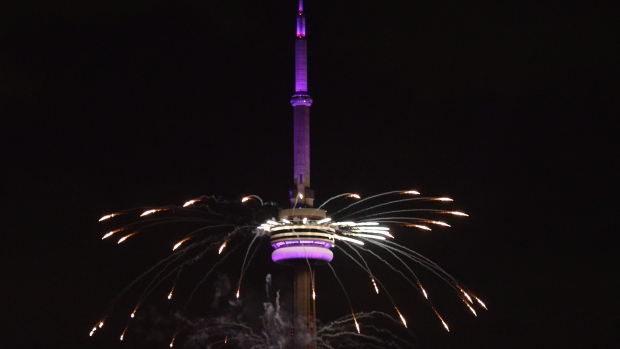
[[431, 266], [243, 265], [221, 260], [378, 338], [166, 260], [377, 280], [347, 296], [412, 192]]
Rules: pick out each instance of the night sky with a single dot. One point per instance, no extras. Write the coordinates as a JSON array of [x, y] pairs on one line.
[[507, 107]]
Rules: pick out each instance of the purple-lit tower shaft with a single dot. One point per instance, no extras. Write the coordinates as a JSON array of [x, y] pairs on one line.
[[302, 253], [301, 102]]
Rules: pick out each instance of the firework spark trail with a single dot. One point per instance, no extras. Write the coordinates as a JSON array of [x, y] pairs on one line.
[[153, 284], [379, 337], [244, 266], [455, 213], [391, 203], [413, 192], [432, 266], [350, 195], [402, 221], [367, 269], [386, 263], [148, 271], [346, 295], [220, 261]]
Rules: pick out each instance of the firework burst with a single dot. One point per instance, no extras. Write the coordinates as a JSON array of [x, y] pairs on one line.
[[218, 231]]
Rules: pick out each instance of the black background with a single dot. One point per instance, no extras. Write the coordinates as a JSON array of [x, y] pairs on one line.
[[507, 107]]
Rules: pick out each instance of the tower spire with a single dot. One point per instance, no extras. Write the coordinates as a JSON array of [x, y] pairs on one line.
[[301, 195]]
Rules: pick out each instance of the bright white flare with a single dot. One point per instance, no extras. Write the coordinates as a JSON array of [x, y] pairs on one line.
[[403, 319], [179, 243], [444, 199], [100, 324], [445, 325], [190, 202], [468, 297], [355, 196], [222, 247], [481, 303], [423, 227], [245, 199], [424, 292], [237, 293], [374, 284], [412, 192], [148, 212], [457, 213], [125, 237], [108, 216], [472, 309], [111, 233], [357, 325]]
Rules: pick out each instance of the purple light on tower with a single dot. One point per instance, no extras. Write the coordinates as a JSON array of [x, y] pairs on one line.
[[301, 102]]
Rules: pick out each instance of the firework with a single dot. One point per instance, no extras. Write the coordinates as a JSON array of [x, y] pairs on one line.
[[366, 228]]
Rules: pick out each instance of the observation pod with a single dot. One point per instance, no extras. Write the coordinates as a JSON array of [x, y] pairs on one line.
[[303, 240]]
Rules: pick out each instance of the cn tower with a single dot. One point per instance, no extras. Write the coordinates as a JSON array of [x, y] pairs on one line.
[[302, 241]]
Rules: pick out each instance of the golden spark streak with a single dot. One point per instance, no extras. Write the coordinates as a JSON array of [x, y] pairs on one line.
[[222, 247], [423, 227], [100, 324], [237, 293], [402, 318], [355, 196], [134, 313], [125, 237], [481, 303], [226, 340], [356, 324], [179, 243], [472, 309], [443, 199], [412, 192], [108, 216], [190, 202], [111, 233], [148, 212], [457, 213], [91, 333], [467, 296], [374, 284], [424, 292], [244, 199], [445, 325]]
